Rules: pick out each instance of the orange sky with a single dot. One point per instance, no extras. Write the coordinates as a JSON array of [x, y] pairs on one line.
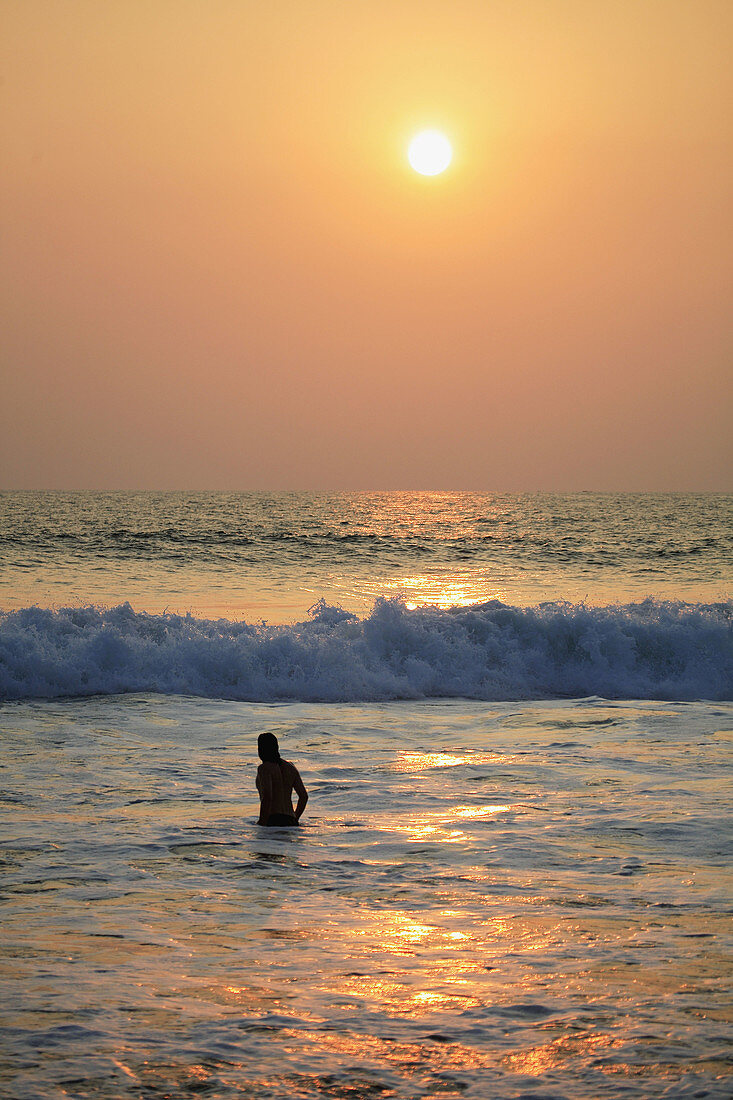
[[219, 270]]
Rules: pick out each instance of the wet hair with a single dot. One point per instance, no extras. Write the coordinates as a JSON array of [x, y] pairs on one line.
[[268, 748]]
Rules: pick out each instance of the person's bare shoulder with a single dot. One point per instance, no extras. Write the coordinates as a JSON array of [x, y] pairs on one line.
[[265, 771]]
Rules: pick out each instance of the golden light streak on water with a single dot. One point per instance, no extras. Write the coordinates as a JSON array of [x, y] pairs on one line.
[[431, 1000], [400, 998], [199, 1073], [413, 760], [437, 824], [481, 811], [403, 927], [409, 761], [125, 1069], [395, 1052], [538, 1060], [425, 589]]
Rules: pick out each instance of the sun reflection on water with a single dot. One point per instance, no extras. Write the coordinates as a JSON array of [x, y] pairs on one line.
[[407, 761], [401, 998], [441, 824], [424, 589], [402, 926], [548, 1056], [414, 760]]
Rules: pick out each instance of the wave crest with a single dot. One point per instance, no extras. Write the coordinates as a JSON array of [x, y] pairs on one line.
[[648, 650]]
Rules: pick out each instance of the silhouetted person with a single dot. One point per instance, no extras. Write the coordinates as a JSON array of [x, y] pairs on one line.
[[276, 779]]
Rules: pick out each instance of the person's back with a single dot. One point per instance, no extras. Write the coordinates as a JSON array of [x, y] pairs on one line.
[[276, 780]]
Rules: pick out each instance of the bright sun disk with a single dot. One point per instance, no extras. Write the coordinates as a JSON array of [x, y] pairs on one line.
[[430, 153]]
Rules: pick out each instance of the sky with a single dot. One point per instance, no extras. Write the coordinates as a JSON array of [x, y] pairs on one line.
[[220, 271]]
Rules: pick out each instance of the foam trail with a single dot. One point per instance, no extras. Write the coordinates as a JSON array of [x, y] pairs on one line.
[[648, 650]]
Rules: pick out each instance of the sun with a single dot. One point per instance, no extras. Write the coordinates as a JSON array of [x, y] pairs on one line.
[[430, 153]]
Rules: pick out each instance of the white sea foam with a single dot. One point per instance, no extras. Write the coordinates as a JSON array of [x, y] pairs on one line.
[[649, 650]]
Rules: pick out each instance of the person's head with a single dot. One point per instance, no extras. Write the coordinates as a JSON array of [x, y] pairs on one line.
[[268, 748]]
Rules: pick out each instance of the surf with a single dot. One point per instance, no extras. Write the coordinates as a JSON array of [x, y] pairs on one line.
[[654, 649]]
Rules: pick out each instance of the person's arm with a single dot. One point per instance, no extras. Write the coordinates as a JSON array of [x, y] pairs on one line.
[[264, 786], [301, 793]]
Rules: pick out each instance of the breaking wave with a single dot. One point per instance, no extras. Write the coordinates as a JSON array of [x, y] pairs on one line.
[[648, 650]]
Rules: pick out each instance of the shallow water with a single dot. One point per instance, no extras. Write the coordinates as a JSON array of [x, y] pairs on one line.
[[487, 899]]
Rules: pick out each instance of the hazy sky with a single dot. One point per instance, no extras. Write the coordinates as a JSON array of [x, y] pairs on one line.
[[219, 270]]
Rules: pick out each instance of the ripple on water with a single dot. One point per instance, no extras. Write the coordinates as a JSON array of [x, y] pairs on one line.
[[528, 920]]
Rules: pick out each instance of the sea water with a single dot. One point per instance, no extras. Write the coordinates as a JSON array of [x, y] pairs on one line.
[[512, 877], [258, 555]]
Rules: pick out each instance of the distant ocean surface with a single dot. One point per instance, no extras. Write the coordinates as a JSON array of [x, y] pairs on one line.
[[513, 714]]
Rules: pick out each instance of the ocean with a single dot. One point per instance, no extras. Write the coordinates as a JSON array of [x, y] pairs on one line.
[[513, 713]]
